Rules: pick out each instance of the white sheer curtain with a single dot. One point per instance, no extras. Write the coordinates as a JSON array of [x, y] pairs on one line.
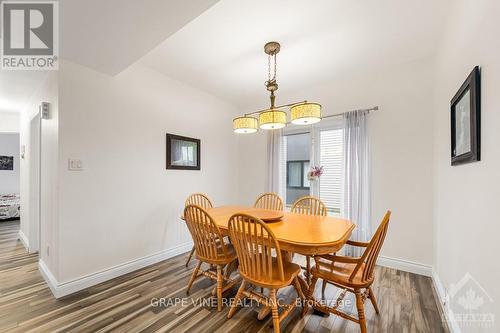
[[357, 182], [276, 163]]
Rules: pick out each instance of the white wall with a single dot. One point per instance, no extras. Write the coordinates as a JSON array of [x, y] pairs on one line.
[[9, 179], [125, 205], [467, 196], [9, 122], [401, 137]]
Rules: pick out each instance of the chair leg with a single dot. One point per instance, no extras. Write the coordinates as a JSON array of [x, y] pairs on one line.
[[219, 287], [298, 288], [361, 310], [310, 292], [274, 310], [373, 300], [190, 256], [300, 293], [239, 295], [230, 268], [193, 277], [323, 288], [308, 269]]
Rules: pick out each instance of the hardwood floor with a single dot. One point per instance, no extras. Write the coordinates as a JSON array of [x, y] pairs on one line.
[[406, 302]]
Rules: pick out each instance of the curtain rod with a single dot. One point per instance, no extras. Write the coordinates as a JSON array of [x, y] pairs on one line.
[[374, 108]]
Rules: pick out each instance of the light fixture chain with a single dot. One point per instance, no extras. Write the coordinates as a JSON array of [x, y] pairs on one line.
[[269, 68], [275, 66]]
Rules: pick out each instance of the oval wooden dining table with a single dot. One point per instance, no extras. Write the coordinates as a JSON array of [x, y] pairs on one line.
[[296, 233]]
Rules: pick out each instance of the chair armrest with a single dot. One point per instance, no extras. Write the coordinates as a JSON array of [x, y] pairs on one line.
[[358, 244], [336, 258]]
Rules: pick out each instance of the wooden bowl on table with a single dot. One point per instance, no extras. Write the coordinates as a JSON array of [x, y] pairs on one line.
[[266, 215]]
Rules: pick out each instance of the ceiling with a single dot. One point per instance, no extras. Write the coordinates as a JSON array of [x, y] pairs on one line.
[[107, 36], [221, 51], [110, 35], [217, 46]]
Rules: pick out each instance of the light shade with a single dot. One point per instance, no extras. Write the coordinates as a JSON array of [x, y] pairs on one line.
[[305, 114], [245, 125], [272, 119]]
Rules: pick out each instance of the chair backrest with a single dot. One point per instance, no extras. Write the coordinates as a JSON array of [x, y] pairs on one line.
[[310, 206], [207, 238], [370, 255], [269, 201], [253, 241], [199, 199]]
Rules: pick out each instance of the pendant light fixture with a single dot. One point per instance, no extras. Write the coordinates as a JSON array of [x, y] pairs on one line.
[[245, 125], [301, 113], [305, 114], [272, 119]]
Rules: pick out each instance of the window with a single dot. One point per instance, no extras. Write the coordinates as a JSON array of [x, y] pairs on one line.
[[298, 147], [323, 146], [297, 174]]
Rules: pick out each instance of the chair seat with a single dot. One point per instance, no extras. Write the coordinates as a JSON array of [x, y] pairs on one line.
[[221, 258], [290, 271], [339, 272]]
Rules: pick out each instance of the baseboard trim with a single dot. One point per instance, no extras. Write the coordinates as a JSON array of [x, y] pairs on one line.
[[405, 265], [49, 277], [24, 240], [61, 289], [442, 300]]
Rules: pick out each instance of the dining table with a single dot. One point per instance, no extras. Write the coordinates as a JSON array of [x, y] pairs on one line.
[[296, 233]]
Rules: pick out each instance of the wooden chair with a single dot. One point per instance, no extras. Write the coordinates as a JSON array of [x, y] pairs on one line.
[[254, 242], [351, 274], [211, 249], [309, 206], [201, 200], [269, 201]]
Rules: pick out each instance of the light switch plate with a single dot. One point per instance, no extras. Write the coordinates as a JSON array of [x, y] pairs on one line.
[[45, 110], [75, 165]]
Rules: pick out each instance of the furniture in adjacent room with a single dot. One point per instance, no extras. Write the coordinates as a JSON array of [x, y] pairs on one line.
[[9, 206]]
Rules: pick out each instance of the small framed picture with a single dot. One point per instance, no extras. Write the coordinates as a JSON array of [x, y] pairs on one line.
[[466, 121], [6, 162], [183, 153]]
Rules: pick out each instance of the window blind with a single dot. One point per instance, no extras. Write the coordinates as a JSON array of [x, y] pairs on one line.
[[331, 158]]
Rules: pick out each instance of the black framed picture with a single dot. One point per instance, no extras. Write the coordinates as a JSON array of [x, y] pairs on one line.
[[466, 121], [183, 153], [6, 162]]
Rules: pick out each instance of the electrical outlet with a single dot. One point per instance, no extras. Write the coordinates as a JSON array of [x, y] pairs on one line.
[[75, 165], [48, 251]]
